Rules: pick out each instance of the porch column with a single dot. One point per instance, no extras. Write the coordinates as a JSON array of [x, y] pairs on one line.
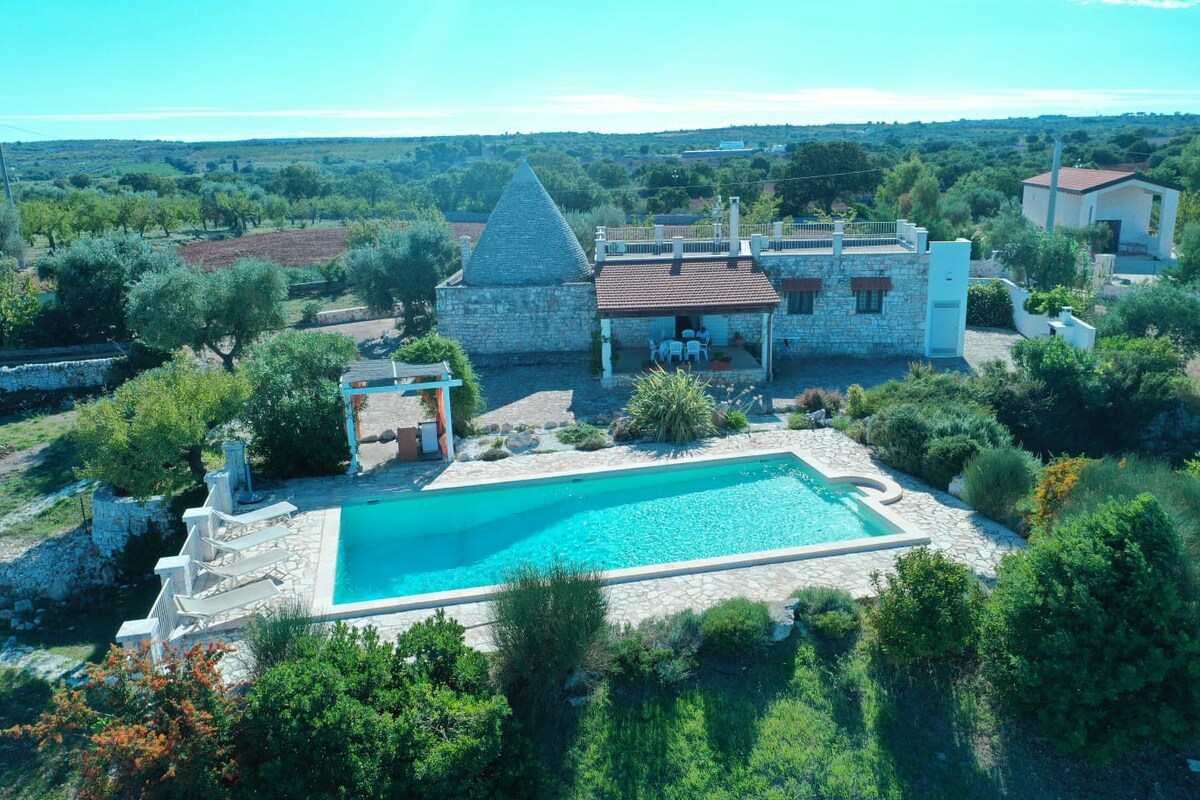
[[606, 348], [765, 356], [350, 435], [445, 390], [1166, 224]]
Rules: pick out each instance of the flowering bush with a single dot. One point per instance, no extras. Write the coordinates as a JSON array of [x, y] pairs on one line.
[[1057, 481]]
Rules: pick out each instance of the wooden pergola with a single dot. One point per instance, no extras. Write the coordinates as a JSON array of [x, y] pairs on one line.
[[380, 375]]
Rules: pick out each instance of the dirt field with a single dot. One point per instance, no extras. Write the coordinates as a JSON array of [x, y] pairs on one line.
[[294, 248]]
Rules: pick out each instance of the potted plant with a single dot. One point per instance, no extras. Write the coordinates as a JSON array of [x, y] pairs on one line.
[[738, 340], [720, 362]]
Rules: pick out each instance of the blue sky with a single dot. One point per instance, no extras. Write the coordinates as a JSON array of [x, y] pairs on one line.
[[226, 70]]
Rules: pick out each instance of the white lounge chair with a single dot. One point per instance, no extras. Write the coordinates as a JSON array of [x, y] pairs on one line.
[[243, 543], [244, 566], [206, 609], [264, 514]]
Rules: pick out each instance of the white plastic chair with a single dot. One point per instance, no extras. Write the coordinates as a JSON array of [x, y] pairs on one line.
[[688, 334], [676, 351], [653, 350], [664, 349], [694, 350]]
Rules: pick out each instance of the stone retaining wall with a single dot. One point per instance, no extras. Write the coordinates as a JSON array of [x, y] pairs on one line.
[[53, 570], [834, 328], [526, 322], [55, 376]]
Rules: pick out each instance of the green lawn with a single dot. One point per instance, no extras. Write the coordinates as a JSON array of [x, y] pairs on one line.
[[811, 723], [28, 479]]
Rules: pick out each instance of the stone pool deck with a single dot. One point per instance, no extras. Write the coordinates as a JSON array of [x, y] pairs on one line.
[[953, 528]]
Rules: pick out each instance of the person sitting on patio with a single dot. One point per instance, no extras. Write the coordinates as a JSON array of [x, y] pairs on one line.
[[703, 335]]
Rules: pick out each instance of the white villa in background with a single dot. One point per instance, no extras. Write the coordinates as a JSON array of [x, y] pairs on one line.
[[1123, 200], [529, 294]]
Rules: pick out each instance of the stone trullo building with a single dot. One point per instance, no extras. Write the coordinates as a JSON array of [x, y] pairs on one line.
[[528, 294]]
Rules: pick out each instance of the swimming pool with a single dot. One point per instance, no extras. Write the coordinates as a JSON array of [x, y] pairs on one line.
[[455, 544]]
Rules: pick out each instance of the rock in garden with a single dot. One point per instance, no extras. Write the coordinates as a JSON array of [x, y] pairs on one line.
[[506, 428], [387, 436], [369, 439], [550, 426], [783, 620], [521, 439], [4, 602], [23, 607], [957, 485]]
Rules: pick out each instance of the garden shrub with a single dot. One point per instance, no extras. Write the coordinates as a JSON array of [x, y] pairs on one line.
[[662, 649], [995, 481], [1058, 479], [278, 635], [354, 716], [976, 424], [989, 305], [465, 401], [148, 437], [547, 624], [624, 430], [831, 400], [583, 436], [297, 415], [902, 433], [1092, 632], [799, 421], [494, 454], [927, 609], [735, 420], [136, 729], [1050, 302], [1158, 309], [946, 458], [827, 613], [857, 404], [672, 407], [736, 627]]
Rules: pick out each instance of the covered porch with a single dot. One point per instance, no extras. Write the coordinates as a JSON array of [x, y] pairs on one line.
[[710, 315]]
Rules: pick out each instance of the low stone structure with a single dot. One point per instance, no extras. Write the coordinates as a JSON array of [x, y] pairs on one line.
[[117, 519], [53, 570], [56, 376]]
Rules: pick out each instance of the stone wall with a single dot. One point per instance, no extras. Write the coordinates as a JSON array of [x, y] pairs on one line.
[[834, 328], [988, 268], [55, 376], [530, 323], [116, 519], [53, 570]]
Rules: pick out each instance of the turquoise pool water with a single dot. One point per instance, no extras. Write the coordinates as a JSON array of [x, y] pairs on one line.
[[469, 537]]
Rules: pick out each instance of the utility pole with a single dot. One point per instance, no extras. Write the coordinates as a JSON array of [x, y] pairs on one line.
[[4, 170], [1053, 185]]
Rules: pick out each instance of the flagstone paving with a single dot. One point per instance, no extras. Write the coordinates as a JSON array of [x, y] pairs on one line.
[[952, 527]]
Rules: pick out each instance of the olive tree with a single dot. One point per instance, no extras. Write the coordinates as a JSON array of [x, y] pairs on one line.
[[403, 269], [148, 438], [225, 311]]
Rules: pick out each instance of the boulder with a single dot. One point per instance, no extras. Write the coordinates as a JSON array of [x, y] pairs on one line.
[[550, 426], [59, 590], [520, 440], [957, 486], [783, 621], [506, 428], [23, 607], [387, 436], [372, 439], [4, 602]]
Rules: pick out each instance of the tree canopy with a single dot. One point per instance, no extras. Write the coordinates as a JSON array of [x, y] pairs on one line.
[[403, 269], [822, 172], [225, 311]]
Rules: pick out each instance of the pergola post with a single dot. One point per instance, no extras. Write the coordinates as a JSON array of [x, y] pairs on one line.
[[445, 390], [765, 355], [351, 436]]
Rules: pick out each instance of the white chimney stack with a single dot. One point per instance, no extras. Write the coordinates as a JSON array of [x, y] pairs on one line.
[[735, 239], [465, 243]]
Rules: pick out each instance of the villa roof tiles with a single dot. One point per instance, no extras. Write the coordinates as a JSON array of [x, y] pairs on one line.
[[1077, 180], [692, 285]]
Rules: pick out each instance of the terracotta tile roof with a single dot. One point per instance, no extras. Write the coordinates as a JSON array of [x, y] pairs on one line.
[[870, 284], [800, 284], [692, 285], [1077, 180]]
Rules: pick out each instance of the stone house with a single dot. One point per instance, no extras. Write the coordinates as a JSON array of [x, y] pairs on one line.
[[761, 292]]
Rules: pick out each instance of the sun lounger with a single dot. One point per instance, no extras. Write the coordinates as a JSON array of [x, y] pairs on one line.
[[206, 608], [243, 543], [264, 514], [244, 566]]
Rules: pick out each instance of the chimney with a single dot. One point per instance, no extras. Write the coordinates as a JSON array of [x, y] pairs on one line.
[[677, 247], [1066, 315], [465, 243], [735, 241]]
